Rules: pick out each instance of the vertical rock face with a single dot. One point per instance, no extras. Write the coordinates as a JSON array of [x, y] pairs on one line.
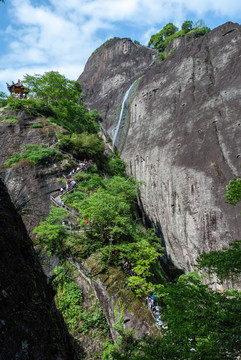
[[184, 143], [110, 72], [31, 327], [29, 186]]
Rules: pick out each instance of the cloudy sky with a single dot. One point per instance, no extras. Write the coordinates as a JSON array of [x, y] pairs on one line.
[[43, 35]]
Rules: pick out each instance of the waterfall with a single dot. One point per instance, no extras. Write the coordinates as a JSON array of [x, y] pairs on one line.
[[123, 108]]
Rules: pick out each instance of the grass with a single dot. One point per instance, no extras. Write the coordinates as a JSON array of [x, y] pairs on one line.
[[10, 119], [38, 125], [36, 154]]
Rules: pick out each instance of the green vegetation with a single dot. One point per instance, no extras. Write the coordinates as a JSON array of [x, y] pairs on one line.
[[170, 32], [69, 301], [3, 99], [68, 298], [82, 146], [234, 191], [51, 232], [37, 125], [54, 96], [109, 205], [36, 154], [11, 119], [199, 323]]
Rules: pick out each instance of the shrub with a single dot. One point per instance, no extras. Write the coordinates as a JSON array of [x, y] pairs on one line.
[[36, 154], [38, 125], [61, 100], [68, 298], [11, 119], [113, 165], [82, 146]]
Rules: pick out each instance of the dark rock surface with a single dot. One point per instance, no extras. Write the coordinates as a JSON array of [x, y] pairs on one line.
[[29, 186], [31, 327], [110, 72], [183, 139]]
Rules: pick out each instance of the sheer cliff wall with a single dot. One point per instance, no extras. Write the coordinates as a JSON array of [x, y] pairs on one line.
[[109, 73], [184, 140], [31, 327]]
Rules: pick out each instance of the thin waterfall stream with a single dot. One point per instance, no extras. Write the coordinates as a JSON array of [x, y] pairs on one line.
[[122, 115]]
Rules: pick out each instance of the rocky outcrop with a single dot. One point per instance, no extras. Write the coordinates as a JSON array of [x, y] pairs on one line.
[[31, 327], [110, 72], [116, 299], [184, 139], [28, 185]]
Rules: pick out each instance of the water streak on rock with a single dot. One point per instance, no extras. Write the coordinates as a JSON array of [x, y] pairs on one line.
[[122, 115]]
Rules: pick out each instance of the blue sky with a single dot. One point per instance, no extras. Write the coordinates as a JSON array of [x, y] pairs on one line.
[[43, 35]]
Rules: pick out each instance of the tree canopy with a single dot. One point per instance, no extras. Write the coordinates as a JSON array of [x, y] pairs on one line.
[[169, 32], [59, 99], [199, 322]]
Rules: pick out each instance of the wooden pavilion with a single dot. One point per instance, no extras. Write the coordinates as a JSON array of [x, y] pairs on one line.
[[18, 89]]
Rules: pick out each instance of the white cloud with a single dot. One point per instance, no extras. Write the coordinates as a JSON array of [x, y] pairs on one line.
[[12, 74], [60, 34]]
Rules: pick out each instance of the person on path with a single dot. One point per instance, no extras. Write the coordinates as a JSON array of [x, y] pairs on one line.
[[86, 223]]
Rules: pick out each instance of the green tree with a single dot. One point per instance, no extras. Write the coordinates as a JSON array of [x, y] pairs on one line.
[[199, 323], [53, 87], [37, 154], [234, 191], [159, 40], [83, 146], [113, 165], [110, 215], [187, 26], [123, 188], [60, 98], [169, 32], [226, 264], [51, 232]]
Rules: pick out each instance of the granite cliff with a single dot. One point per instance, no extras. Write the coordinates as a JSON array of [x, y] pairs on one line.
[[29, 187], [180, 133], [108, 74], [27, 184], [31, 327]]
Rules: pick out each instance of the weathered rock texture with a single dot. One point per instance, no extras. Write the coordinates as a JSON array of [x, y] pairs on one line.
[[31, 327], [29, 186], [116, 298], [183, 139], [110, 72]]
